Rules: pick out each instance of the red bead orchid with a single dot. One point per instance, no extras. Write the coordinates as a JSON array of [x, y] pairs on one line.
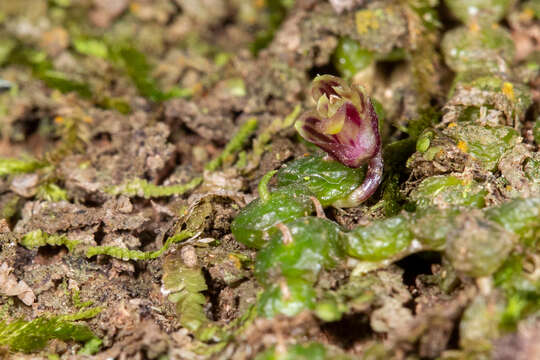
[[345, 125]]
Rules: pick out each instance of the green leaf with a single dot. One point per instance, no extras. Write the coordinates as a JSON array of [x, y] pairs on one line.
[[91, 47], [380, 240], [349, 57], [310, 351], [328, 180], [448, 190], [315, 244], [287, 296], [284, 204]]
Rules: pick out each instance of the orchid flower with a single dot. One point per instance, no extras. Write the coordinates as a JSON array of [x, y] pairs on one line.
[[345, 125]]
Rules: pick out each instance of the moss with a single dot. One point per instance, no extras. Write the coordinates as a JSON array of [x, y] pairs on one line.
[[10, 166], [126, 254], [39, 238], [31, 336], [235, 144], [260, 143], [141, 188], [186, 286], [51, 192]]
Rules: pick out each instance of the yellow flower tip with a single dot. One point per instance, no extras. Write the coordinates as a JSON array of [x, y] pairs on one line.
[[452, 124], [473, 27], [527, 14], [333, 128], [508, 188], [508, 91], [88, 119], [334, 125], [365, 20], [58, 120], [236, 261], [466, 182], [197, 88], [462, 145], [134, 7]]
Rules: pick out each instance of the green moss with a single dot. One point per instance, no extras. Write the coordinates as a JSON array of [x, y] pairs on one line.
[[186, 285], [139, 70], [536, 131], [10, 207], [264, 194], [521, 291], [272, 16], [235, 144], [31, 336], [141, 188], [423, 142], [39, 238], [43, 69], [51, 192], [91, 47], [260, 143], [126, 254], [10, 166]]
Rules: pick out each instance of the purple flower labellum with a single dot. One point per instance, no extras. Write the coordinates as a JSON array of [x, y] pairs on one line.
[[345, 125]]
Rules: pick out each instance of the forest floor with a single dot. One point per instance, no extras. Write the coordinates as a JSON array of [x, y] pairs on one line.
[[133, 132]]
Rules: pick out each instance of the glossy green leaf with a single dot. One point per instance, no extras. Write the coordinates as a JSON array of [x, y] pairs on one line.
[[285, 204], [448, 190], [380, 240], [328, 179], [316, 244]]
